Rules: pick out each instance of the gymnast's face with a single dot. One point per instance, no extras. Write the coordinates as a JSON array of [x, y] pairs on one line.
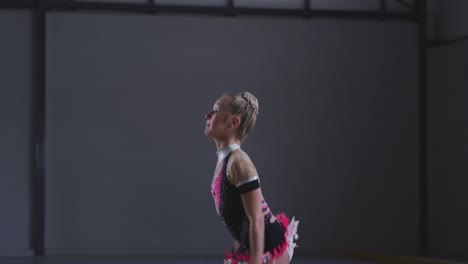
[[217, 120]]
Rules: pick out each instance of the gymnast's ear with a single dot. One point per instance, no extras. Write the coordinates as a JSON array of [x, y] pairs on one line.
[[235, 121]]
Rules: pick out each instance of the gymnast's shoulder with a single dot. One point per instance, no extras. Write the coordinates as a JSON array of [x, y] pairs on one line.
[[240, 168]]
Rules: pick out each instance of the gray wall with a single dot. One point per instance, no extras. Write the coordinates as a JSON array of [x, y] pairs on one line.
[[448, 149], [128, 166], [15, 135], [452, 19]]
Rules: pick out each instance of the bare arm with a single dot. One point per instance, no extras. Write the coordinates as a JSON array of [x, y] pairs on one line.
[[252, 202]]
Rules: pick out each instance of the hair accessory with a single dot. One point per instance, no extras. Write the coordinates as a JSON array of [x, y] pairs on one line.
[[244, 96]]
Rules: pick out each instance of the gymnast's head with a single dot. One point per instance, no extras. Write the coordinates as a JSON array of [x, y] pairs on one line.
[[233, 117]]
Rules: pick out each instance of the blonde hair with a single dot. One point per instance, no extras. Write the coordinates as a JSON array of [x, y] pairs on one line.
[[244, 105]]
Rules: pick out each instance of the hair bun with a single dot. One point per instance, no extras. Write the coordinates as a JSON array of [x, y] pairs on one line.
[[251, 99]]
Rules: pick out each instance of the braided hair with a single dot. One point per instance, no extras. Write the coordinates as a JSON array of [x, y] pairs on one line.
[[245, 105]]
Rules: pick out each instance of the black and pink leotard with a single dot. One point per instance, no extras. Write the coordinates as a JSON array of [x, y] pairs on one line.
[[227, 195]]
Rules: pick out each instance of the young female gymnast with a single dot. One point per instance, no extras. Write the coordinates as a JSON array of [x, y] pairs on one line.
[[259, 236]]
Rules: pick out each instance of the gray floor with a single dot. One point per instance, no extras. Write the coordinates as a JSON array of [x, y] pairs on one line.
[[128, 260]]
